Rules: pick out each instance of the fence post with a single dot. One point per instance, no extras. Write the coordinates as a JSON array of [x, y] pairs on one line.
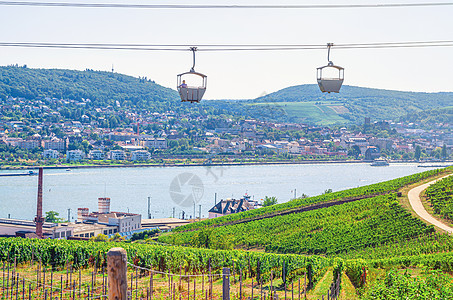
[[117, 273], [226, 284]]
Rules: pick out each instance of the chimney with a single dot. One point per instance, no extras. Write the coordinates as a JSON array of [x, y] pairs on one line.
[[39, 220], [103, 205], [81, 212]]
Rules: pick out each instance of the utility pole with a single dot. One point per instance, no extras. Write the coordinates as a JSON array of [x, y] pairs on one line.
[[69, 215], [173, 212], [194, 210], [199, 212], [215, 198], [149, 207], [294, 193]]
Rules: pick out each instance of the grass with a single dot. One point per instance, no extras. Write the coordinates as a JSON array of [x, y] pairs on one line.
[[322, 286], [347, 291]]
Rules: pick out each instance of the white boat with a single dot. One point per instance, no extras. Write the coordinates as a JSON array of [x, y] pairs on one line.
[[380, 162]]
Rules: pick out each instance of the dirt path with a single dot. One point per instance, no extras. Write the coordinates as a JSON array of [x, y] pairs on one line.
[[417, 206]]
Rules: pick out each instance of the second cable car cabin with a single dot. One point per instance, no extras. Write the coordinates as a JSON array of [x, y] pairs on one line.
[[191, 85], [330, 77]]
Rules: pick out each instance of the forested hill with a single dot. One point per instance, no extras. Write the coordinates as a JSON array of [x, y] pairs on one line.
[[311, 92], [103, 88], [354, 103], [302, 104]]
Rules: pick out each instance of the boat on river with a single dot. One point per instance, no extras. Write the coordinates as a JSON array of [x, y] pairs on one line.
[[380, 162]]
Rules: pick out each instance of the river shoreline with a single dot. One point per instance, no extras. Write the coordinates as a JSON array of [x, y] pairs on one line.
[[307, 162]]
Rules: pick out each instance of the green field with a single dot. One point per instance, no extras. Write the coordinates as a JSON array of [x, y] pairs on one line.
[[308, 112]]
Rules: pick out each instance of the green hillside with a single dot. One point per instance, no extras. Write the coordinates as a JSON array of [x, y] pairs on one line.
[[431, 117], [103, 88], [352, 104], [303, 103]]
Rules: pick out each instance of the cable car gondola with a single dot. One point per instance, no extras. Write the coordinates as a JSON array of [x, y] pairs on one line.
[[188, 91], [330, 82]]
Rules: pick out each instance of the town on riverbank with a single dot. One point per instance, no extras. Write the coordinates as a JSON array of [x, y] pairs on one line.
[[171, 138]]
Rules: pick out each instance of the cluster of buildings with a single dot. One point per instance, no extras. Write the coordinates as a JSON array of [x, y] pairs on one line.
[[88, 224], [148, 130]]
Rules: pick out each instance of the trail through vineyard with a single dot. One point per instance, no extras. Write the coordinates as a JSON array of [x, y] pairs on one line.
[[417, 205]]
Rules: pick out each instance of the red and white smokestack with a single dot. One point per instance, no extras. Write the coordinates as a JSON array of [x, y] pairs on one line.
[[82, 212], [39, 220], [103, 205]]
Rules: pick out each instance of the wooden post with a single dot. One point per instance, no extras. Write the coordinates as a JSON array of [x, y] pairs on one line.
[[117, 273], [305, 285], [80, 281], [136, 283], [261, 289], [226, 284], [151, 283], [299, 288], [270, 291], [51, 283], [252, 287], [194, 288], [240, 285]]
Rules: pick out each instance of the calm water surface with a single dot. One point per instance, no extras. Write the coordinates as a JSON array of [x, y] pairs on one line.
[[129, 188]]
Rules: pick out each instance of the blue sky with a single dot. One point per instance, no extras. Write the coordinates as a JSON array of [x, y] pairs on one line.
[[237, 75]]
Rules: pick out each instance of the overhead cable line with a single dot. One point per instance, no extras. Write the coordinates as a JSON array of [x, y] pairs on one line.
[[219, 6], [225, 47]]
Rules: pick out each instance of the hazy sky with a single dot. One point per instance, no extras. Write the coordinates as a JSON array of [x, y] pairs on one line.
[[236, 75]]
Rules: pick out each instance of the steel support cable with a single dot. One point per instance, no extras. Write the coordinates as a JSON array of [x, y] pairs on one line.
[[213, 48], [220, 6], [230, 45]]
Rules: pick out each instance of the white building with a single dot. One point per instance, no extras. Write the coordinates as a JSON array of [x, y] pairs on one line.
[[158, 143], [96, 154], [74, 155], [140, 155], [117, 155], [49, 154], [124, 223]]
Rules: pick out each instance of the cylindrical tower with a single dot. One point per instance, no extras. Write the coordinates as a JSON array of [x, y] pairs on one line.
[[81, 212], [103, 205]]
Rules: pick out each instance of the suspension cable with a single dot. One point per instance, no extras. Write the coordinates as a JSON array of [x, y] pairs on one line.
[[220, 6], [225, 47]]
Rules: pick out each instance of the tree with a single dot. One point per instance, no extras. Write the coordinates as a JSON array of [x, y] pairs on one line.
[[270, 201], [418, 152], [355, 151], [117, 238], [328, 191], [99, 238], [52, 216], [444, 152]]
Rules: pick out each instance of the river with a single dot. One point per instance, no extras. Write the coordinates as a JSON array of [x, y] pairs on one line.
[[129, 188]]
